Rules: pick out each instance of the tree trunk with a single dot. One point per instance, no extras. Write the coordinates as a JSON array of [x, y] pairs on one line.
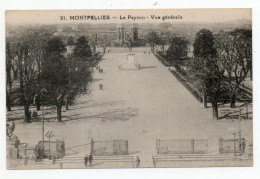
[[67, 106], [38, 104], [215, 110], [8, 94], [251, 73], [67, 103], [16, 74], [59, 106], [27, 112], [233, 100], [8, 101], [205, 100]]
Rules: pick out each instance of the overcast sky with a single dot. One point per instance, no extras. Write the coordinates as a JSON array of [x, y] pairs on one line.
[[188, 15]]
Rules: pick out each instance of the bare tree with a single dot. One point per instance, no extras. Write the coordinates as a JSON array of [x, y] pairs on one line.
[[208, 75], [93, 42], [9, 79], [103, 41], [153, 39], [38, 38], [235, 48], [27, 76], [164, 39]]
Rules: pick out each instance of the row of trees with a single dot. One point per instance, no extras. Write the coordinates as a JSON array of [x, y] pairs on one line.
[[94, 41], [45, 73], [221, 61], [178, 46]]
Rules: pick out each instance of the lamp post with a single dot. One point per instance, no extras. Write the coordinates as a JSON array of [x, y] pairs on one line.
[[239, 132], [42, 93]]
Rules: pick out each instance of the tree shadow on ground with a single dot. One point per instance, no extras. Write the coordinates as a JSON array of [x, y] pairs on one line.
[[147, 67], [235, 115], [226, 112], [97, 79], [108, 116], [93, 104]]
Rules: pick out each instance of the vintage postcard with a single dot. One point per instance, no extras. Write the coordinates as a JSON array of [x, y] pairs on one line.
[[129, 88]]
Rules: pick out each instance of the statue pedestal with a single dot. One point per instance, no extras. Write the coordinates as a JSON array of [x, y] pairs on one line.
[[131, 63]]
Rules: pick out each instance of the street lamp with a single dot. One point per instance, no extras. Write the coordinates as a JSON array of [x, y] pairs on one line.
[[43, 91], [234, 132], [239, 132]]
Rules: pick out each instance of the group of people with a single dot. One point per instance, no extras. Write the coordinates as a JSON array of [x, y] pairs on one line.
[[88, 159], [100, 70]]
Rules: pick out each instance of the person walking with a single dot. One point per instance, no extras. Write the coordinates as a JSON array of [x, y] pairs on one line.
[[137, 162], [86, 160], [90, 158]]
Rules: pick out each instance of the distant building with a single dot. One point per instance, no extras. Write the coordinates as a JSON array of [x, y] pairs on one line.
[[126, 32], [70, 49]]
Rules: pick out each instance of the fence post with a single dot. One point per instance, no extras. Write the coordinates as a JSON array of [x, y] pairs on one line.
[[220, 145], [206, 145], [157, 145], [192, 145], [92, 146], [154, 164], [235, 152], [126, 146]]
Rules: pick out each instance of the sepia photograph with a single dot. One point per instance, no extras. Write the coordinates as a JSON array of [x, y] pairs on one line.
[[129, 88]]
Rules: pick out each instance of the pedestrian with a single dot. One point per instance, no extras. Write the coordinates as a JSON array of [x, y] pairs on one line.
[[90, 158], [137, 162], [25, 160], [100, 86], [243, 144], [86, 160], [61, 165]]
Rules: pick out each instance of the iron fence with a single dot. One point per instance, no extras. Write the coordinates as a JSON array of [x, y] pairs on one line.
[[186, 146], [114, 147]]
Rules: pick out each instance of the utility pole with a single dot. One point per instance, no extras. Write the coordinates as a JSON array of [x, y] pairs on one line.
[[235, 143], [42, 92], [42, 126], [239, 132]]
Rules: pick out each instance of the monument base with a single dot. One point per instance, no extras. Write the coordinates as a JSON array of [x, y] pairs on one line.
[[129, 66]]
